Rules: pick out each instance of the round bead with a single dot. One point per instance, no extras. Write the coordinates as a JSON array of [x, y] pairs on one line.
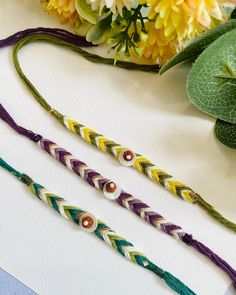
[[111, 191], [110, 187], [88, 222], [126, 157]]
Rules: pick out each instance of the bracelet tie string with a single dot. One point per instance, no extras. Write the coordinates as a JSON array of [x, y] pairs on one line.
[[67, 39]]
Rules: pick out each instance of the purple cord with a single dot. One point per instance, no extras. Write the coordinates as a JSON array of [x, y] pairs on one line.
[[4, 115], [60, 33], [137, 204], [201, 248]]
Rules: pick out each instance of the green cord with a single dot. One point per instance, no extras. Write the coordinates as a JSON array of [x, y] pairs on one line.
[[89, 56], [86, 55], [10, 169]]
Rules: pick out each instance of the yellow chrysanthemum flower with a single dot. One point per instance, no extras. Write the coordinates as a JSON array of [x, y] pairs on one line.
[[184, 19], [156, 47], [114, 5], [65, 10]]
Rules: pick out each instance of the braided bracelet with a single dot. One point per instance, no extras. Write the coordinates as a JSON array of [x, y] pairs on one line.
[[89, 223], [125, 156], [113, 191]]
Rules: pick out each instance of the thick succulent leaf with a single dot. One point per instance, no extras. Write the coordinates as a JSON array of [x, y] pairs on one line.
[[199, 44], [100, 32], [226, 133], [211, 84], [85, 11]]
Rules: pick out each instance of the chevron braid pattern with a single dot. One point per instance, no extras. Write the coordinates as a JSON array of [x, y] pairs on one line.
[[145, 166], [101, 230], [142, 164], [98, 181]]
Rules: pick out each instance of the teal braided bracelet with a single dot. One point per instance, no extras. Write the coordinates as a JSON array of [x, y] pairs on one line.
[[89, 223]]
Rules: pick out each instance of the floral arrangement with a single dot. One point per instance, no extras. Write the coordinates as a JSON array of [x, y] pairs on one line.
[[154, 30], [159, 31]]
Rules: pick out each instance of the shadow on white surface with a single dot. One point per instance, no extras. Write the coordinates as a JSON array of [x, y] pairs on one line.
[[230, 291]]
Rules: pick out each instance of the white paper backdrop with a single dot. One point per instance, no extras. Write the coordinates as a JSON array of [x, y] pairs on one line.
[[148, 113]]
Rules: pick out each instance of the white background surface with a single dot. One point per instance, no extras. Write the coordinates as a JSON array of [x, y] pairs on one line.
[[148, 113]]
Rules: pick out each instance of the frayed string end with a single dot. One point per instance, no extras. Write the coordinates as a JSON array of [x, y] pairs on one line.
[[174, 283], [201, 248]]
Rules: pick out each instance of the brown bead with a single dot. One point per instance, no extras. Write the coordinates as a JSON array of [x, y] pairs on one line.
[[87, 222], [110, 187], [128, 156]]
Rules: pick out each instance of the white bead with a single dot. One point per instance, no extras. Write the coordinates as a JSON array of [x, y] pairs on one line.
[[111, 195]]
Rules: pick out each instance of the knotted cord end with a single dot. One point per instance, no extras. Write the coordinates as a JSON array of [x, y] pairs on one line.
[[26, 179], [155, 269], [56, 114], [36, 137], [187, 239], [194, 197]]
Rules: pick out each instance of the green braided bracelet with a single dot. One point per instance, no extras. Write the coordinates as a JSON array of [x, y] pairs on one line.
[[88, 222], [121, 153]]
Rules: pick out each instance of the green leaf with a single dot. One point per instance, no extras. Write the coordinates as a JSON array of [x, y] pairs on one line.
[[211, 84], [100, 32], [199, 44], [85, 11], [233, 14], [228, 10], [226, 133]]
